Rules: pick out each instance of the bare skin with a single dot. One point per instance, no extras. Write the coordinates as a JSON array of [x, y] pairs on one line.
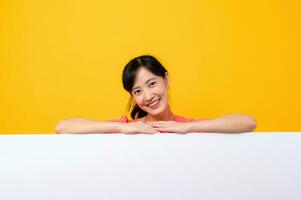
[[150, 92], [234, 123]]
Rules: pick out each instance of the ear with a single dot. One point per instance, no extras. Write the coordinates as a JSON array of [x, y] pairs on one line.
[[166, 79]]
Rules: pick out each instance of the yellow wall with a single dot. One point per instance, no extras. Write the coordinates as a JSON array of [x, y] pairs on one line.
[[62, 59]]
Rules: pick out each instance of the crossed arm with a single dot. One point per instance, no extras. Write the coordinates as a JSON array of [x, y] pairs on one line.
[[232, 123]]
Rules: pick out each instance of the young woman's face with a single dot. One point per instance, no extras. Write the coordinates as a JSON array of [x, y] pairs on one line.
[[150, 92]]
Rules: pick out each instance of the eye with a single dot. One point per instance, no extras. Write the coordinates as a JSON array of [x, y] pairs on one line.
[[152, 84], [136, 92]]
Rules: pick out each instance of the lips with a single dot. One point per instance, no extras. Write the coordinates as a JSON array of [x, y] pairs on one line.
[[154, 103]]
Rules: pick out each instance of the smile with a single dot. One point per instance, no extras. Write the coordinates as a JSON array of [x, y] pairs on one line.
[[154, 104]]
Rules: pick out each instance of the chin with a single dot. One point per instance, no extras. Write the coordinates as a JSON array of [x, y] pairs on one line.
[[156, 112]]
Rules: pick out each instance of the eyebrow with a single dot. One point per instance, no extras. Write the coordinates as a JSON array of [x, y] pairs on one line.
[[145, 82]]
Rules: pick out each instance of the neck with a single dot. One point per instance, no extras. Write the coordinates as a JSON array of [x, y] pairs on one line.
[[167, 115]]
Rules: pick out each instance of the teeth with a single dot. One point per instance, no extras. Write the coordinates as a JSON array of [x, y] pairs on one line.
[[154, 103]]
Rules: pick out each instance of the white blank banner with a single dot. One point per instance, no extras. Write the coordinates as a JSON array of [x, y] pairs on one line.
[[208, 166]]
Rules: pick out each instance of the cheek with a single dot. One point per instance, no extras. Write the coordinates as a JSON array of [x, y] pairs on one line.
[[163, 92], [138, 100], [166, 96], [160, 90]]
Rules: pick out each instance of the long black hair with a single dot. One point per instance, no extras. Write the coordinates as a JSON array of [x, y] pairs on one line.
[[129, 74]]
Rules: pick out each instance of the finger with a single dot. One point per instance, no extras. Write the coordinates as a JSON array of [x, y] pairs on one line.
[[138, 132], [171, 130], [149, 131], [165, 124], [152, 131], [145, 128], [165, 130], [161, 125], [160, 122], [149, 128], [131, 133]]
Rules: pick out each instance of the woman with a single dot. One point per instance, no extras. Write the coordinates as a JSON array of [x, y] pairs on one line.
[[147, 81]]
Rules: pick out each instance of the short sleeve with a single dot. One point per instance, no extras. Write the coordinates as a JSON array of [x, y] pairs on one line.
[[183, 119]]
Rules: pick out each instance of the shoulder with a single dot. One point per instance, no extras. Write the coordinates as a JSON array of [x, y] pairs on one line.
[[186, 119], [183, 119]]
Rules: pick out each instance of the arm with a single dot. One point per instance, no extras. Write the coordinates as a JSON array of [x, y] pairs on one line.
[[82, 126], [233, 123], [85, 126]]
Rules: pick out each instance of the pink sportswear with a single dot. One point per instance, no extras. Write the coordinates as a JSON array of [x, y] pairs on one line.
[[124, 119]]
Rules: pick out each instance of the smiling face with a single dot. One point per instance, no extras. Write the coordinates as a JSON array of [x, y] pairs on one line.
[[150, 92]]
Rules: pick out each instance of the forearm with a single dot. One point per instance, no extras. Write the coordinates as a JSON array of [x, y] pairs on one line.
[[85, 126], [233, 123]]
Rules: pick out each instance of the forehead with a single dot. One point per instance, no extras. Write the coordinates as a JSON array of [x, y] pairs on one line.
[[143, 75]]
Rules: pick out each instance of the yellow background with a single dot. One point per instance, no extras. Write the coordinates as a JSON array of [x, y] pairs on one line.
[[62, 59]]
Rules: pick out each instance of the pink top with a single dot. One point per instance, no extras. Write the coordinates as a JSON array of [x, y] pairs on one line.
[[124, 119]]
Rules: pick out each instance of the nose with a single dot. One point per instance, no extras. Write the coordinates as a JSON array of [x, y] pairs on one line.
[[148, 97]]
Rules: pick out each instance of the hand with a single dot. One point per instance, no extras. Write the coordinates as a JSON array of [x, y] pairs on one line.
[[137, 127], [170, 126]]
